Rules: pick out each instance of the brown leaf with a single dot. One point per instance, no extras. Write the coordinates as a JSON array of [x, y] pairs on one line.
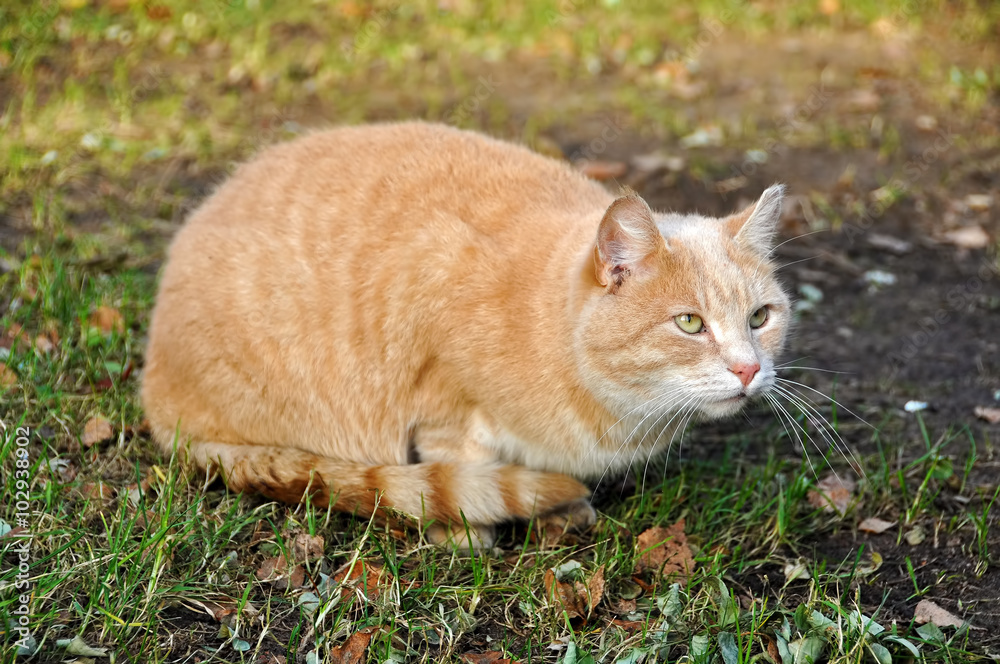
[[224, 613], [7, 376], [929, 612], [353, 650], [991, 415], [307, 547], [271, 568], [629, 625], [43, 344], [572, 596], [14, 335], [623, 607], [595, 589], [833, 494], [665, 551], [96, 430], [491, 657], [365, 576], [158, 12], [107, 320], [96, 491], [772, 650], [603, 170], [875, 525]]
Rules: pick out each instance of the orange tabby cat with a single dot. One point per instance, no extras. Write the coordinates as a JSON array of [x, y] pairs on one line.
[[427, 319]]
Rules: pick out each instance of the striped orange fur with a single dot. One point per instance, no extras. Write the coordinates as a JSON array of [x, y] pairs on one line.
[[427, 319]]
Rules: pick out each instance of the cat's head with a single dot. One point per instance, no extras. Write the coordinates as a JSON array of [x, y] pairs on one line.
[[685, 311]]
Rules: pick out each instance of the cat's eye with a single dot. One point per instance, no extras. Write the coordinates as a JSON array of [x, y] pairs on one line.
[[758, 318], [690, 323]]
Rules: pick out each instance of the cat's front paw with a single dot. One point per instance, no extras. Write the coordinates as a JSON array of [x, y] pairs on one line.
[[577, 516]]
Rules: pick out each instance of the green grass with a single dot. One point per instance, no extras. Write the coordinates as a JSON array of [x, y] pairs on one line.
[[117, 119]]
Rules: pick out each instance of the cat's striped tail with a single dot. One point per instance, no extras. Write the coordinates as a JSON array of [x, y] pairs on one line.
[[478, 493]]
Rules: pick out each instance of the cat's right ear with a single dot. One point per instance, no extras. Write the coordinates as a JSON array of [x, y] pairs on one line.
[[626, 240]]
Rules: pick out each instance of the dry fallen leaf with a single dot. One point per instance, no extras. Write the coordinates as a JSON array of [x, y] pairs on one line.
[[43, 344], [307, 547], [7, 376], [96, 491], [929, 612], [353, 650], [571, 595], [623, 607], [107, 320], [271, 567], [875, 525], [603, 170], [491, 657], [361, 575], [96, 430], [595, 589], [991, 415], [665, 550], [970, 237], [223, 613], [833, 494]]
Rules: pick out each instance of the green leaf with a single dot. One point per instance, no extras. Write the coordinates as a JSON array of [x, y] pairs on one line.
[[783, 651], [309, 602], [802, 618], [931, 632], [892, 638], [239, 645], [786, 629], [881, 653], [821, 622], [634, 656], [699, 647], [574, 656], [570, 570], [727, 644], [807, 650], [670, 604]]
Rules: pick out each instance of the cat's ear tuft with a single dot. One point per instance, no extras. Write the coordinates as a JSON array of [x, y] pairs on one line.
[[626, 240], [756, 226]]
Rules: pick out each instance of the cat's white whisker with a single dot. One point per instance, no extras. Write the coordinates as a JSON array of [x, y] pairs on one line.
[[828, 398], [801, 260], [628, 438], [800, 434], [792, 239], [788, 368], [821, 422], [690, 405]]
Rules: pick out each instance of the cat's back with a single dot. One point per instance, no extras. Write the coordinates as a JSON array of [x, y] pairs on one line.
[[397, 174]]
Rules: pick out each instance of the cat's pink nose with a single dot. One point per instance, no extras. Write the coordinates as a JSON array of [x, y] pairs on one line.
[[746, 372]]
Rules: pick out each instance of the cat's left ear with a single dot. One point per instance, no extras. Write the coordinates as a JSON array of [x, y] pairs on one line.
[[626, 240], [756, 226]]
